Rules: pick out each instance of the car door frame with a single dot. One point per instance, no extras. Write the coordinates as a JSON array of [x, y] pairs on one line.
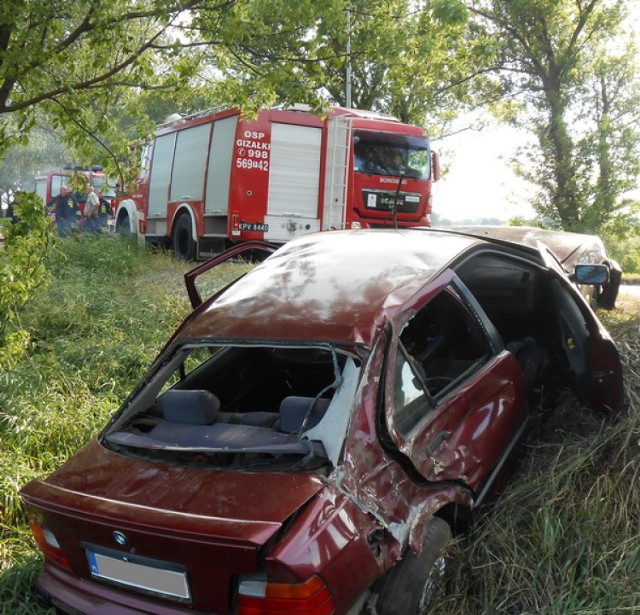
[[437, 436], [599, 383], [249, 250]]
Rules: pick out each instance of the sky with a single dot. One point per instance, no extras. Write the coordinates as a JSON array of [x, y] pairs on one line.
[[479, 182]]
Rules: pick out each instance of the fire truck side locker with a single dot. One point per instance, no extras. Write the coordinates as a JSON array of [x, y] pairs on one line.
[[216, 203], [159, 180], [294, 181]]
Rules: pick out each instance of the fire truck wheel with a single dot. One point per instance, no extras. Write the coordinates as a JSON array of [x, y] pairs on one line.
[[184, 246], [123, 225]]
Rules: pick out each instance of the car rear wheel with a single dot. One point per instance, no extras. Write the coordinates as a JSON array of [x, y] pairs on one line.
[[184, 246], [411, 586]]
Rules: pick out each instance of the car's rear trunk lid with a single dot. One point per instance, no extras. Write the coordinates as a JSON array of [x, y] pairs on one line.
[[175, 534]]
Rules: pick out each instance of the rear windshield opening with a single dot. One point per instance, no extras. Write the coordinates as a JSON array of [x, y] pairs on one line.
[[241, 407]]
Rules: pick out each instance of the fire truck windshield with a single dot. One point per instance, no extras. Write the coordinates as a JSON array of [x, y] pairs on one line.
[[393, 154], [104, 184]]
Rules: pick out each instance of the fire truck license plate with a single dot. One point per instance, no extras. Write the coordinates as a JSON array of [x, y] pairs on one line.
[[387, 202], [254, 226]]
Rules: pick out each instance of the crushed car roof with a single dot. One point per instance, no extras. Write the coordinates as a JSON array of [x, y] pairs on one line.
[[569, 248], [336, 287]]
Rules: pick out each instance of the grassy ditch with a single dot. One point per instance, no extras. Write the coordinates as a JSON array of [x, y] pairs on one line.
[[94, 330], [563, 537]]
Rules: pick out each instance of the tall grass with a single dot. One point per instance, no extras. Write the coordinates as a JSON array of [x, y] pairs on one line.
[[94, 330], [562, 538]]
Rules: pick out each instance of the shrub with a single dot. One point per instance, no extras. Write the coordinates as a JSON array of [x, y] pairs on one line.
[[23, 270]]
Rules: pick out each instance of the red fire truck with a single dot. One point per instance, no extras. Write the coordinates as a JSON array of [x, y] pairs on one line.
[[214, 178]]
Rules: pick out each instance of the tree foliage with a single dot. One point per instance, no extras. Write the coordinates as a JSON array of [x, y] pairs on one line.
[[23, 271], [56, 54], [104, 72], [573, 81], [415, 60]]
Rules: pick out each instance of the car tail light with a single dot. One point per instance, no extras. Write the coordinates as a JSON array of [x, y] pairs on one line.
[[49, 545], [259, 597]]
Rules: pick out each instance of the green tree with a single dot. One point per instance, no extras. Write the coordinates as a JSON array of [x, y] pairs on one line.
[[611, 152], [51, 53], [412, 59], [570, 85], [23, 270], [100, 70]]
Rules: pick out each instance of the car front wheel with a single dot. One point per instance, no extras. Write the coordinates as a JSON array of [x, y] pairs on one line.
[[411, 586]]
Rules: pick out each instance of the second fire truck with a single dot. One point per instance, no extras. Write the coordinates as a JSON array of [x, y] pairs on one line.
[[212, 179], [47, 185]]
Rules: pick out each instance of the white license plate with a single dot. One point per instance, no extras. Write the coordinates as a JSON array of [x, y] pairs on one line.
[[141, 576]]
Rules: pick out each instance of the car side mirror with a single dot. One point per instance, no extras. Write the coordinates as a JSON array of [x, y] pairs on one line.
[[591, 274]]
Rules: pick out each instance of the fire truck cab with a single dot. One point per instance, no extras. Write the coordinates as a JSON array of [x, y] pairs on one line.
[[213, 179]]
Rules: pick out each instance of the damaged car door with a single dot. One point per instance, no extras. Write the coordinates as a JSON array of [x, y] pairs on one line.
[[455, 399], [587, 352]]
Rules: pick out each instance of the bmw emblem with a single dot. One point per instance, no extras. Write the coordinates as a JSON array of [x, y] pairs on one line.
[[121, 539]]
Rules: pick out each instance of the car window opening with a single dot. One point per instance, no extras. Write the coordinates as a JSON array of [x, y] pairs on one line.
[[441, 345], [242, 406], [518, 300]]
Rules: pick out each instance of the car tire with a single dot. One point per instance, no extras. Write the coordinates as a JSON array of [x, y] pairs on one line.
[[184, 245], [411, 586]]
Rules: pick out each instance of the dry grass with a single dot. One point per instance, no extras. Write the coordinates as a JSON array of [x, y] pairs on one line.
[[564, 536]]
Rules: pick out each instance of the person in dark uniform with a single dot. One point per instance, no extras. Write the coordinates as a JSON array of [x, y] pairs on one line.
[[104, 212], [66, 210]]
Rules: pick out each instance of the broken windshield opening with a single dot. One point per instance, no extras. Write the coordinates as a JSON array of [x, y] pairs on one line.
[[242, 406]]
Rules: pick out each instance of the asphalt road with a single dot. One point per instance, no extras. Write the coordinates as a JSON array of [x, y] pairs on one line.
[[630, 289]]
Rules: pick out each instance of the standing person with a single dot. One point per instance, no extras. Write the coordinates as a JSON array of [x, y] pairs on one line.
[[104, 212], [10, 213], [65, 208], [91, 207]]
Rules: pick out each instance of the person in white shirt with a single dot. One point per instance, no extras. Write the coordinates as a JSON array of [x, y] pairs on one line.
[[91, 207]]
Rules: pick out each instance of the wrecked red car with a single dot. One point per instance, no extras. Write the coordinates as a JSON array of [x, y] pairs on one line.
[[313, 434]]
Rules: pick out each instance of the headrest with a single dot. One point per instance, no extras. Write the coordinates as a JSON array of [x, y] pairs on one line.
[[194, 407], [293, 410]]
